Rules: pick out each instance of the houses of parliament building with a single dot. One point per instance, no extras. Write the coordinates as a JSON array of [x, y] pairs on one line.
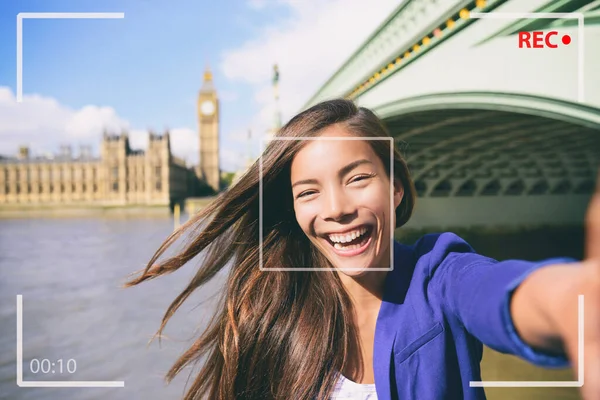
[[121, 175]]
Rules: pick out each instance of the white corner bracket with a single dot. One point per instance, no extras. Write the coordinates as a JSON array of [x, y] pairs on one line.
[[580, 354], [263, 143], [48, 383], [549, 15], [22, 16]]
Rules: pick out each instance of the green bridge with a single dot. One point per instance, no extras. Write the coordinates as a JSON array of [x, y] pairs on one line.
[[494, 134]]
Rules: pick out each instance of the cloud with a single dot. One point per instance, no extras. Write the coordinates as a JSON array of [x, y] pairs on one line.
[[185, 144], [228, 96], [43, 124], [257, 4], [231, 160], [240, 136], [88, 122], [309, 45], [138, 139]]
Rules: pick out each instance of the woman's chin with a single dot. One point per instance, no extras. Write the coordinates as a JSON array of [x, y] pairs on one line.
[[357, 266], [350, 266], [353, 272]]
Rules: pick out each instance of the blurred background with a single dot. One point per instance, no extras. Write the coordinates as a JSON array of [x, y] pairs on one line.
[[120, 125]]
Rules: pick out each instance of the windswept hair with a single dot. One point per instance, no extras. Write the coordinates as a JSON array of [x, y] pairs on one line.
[[275, 334]]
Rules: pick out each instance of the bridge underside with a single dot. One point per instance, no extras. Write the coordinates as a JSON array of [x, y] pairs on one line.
[[477, 167]]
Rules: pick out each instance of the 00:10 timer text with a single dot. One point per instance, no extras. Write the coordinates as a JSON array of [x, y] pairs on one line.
[[46, 366]]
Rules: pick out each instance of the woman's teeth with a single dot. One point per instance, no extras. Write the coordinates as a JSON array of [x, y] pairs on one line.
[[348, 237], [349, 247]]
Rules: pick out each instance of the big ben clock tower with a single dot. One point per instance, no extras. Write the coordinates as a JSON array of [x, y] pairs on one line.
[[208, 121]]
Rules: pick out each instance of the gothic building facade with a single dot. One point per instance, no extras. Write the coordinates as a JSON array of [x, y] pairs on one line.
[[120, 175]]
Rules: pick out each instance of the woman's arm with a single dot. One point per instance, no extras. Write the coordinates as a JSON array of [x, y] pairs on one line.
[[546, 303], [545, 310], [528, 309], [477, 291]]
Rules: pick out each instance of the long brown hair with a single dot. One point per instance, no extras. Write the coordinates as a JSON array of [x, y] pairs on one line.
[[276, 334]]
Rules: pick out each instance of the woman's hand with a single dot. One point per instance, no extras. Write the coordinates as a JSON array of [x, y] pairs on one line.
[[545, 307], [588, 285]]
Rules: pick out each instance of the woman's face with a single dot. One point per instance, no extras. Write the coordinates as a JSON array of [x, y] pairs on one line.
[[342, 202]]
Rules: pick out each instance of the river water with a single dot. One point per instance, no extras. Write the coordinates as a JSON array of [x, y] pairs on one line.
[[69, 272]]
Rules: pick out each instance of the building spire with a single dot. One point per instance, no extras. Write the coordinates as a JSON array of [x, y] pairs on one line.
[[207, 73], [277, 122], [250, 159], [208, 85]]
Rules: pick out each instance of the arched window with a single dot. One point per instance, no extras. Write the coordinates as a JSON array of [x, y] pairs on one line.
[[515, 188], [468, 188], [491, 188], [540, 187], [442, 189], [420, 186]]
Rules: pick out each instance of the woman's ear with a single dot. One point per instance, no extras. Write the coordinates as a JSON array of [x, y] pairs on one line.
[[398, 193]]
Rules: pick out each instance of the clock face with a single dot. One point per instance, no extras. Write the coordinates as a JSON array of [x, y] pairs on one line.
[[207, 107]]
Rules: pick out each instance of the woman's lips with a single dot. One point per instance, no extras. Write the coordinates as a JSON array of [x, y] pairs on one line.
[[355, 249]]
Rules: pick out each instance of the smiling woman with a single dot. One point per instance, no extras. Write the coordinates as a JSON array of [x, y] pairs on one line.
[[345, 211], [342, 203], [357, 327]]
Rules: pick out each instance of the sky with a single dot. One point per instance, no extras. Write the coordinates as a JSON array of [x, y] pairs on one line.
[[143, 72]]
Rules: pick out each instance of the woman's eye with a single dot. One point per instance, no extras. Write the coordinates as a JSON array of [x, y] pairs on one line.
[[306, 193], [358, 178]]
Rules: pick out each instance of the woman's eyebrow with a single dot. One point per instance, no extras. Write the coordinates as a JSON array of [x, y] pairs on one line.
[[352, 165], [343, 171], [304, 182]]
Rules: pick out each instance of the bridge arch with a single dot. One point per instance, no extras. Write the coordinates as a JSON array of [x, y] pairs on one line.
[[469, 153], [568, 111]]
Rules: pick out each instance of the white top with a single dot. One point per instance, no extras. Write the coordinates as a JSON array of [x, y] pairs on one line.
[[345, 389]]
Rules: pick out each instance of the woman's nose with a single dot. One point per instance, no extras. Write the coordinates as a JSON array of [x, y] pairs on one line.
[[336, 206]]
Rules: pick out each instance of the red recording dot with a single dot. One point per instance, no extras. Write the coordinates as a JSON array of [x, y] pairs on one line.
[[566, 39]]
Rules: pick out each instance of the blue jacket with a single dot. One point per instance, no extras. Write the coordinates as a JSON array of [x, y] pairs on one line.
[[441, 302]]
